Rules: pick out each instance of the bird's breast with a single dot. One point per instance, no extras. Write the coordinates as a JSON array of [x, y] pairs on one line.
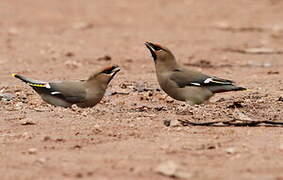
[[93, 96], [170, 87]]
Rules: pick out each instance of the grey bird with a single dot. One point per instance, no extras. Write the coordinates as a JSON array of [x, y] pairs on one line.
[[183, 83], [83, 93]]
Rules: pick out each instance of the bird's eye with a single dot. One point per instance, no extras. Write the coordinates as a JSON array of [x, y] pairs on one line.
[[157, 48], [107, 71]]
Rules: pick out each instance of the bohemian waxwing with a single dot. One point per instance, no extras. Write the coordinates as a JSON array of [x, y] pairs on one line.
[[185, 84], [84, 93]]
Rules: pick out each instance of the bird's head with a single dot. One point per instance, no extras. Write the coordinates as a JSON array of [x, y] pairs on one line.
[[158, 52], [161, 54], [105, 75]]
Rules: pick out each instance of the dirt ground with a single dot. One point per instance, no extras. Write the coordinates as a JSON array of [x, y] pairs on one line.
[[124, 137]]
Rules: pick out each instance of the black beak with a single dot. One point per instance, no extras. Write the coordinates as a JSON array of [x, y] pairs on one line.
[[114, 71], [152, 48]]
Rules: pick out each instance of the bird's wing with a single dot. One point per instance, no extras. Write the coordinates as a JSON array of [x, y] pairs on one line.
[[184, 77], [72, 92]]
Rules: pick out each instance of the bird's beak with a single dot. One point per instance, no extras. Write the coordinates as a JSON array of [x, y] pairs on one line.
[[152, 48], [115, 70]]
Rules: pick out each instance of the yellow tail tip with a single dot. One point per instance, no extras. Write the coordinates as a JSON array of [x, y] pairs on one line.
[[13, 74], [249, 90]]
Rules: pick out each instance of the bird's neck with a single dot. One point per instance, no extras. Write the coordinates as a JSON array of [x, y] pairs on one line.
[[166, 66], [97, 84]]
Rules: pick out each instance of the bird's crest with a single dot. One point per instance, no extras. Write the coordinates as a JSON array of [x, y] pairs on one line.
[[106, 70]]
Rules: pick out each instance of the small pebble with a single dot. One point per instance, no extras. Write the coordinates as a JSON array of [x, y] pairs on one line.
[[32, 151], [230, 150]]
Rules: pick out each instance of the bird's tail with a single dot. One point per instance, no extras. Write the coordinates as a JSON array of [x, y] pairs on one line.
[[31, 82], [225, 88]]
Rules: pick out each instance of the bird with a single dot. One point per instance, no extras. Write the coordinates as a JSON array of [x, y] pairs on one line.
[[83, 93], [184, 83]]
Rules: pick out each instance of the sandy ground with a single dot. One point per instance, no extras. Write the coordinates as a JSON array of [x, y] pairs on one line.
[[124, 136]]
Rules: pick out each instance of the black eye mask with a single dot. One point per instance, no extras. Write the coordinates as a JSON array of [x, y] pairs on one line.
[[153, 48], [109, 70]]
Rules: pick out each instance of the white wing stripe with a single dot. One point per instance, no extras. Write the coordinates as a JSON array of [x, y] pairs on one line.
[[196, 84], [208, 80], [55, 92]]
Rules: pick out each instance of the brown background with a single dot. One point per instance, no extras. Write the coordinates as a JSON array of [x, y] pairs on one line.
[[124, 137]]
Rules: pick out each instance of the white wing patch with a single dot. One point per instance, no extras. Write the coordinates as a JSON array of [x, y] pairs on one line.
[[55, 92], [47, 85], [196, 84], [208, 80]]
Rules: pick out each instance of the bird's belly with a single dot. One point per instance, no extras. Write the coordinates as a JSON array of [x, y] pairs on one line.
[[92, 100], [89, 103], [175, 93], [193, 95], [54, 100]]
